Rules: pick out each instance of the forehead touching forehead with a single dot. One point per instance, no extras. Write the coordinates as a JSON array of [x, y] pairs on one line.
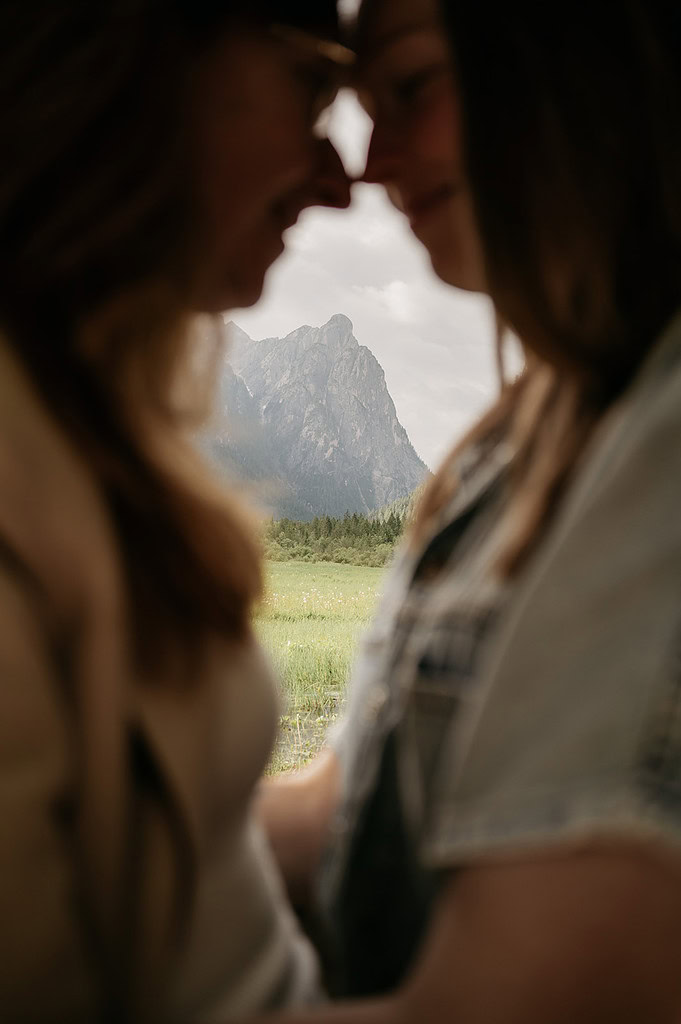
[[379, 21]]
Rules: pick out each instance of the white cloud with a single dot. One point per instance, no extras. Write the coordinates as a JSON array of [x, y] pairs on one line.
[[395, 297]]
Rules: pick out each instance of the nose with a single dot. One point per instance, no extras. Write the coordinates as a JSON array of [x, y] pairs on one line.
[[330, 184], [382, 164]]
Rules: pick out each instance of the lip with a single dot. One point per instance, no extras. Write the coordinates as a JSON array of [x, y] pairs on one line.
[[292, 223], [289, 219], [286, 212], [422, 206]]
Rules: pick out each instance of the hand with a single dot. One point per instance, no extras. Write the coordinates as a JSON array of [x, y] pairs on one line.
[[296, 810]]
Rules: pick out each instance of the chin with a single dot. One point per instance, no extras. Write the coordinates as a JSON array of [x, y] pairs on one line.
[[457, 273], [248, 295], [236, 295]]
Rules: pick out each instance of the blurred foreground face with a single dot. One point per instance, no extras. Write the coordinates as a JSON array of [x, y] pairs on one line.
[[406, 83], [255, 103]]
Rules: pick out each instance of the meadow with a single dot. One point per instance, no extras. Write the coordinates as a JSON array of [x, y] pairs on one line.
[[309, 621]]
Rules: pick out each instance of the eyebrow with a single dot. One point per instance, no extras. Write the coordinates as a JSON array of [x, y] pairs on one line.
[[315, 46], [385, 39]]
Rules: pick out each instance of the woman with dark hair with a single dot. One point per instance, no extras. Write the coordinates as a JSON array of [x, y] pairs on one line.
[[154, 154], [508, 843]]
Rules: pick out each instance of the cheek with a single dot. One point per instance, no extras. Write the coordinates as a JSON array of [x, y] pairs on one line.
[[243, 153], [243, 175], [437, 131], [228, 169], [252, 149], [457, 255]]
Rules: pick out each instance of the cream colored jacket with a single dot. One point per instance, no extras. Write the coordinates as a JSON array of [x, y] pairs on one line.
[[128, 862]]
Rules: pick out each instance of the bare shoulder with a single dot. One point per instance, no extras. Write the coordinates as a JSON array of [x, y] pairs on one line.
[[589, 936]]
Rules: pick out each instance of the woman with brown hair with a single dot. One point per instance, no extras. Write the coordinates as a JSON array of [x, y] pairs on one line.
[[154, 154], [508, 844]]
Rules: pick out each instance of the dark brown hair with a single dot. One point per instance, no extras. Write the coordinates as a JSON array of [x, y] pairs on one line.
[[572, 136], [207, 16], [96, 257]]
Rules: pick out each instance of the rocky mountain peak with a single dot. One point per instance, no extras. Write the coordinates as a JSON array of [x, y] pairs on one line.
[[339, 327], [234, 333], [342, 322], [326, 426], [336, 333]]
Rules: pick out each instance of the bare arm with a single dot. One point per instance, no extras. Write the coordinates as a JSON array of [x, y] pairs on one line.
[[296, 810], [586, 938]]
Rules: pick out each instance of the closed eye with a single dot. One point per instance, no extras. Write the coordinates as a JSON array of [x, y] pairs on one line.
[[400, 93], [321, 84], [408, 89]]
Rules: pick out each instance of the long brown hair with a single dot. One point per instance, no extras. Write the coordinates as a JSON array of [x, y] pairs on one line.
[[572, 135], [96, 258]]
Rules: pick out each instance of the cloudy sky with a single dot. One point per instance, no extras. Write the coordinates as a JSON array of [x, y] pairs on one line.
[[434, 343]]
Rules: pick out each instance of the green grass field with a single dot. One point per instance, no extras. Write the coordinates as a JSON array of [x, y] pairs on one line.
[[310, 620]]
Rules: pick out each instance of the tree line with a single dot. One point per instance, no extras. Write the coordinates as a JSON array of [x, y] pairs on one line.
[[353, 539]]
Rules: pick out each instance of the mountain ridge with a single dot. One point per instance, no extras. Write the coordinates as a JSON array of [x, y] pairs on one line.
[[311, 413]]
